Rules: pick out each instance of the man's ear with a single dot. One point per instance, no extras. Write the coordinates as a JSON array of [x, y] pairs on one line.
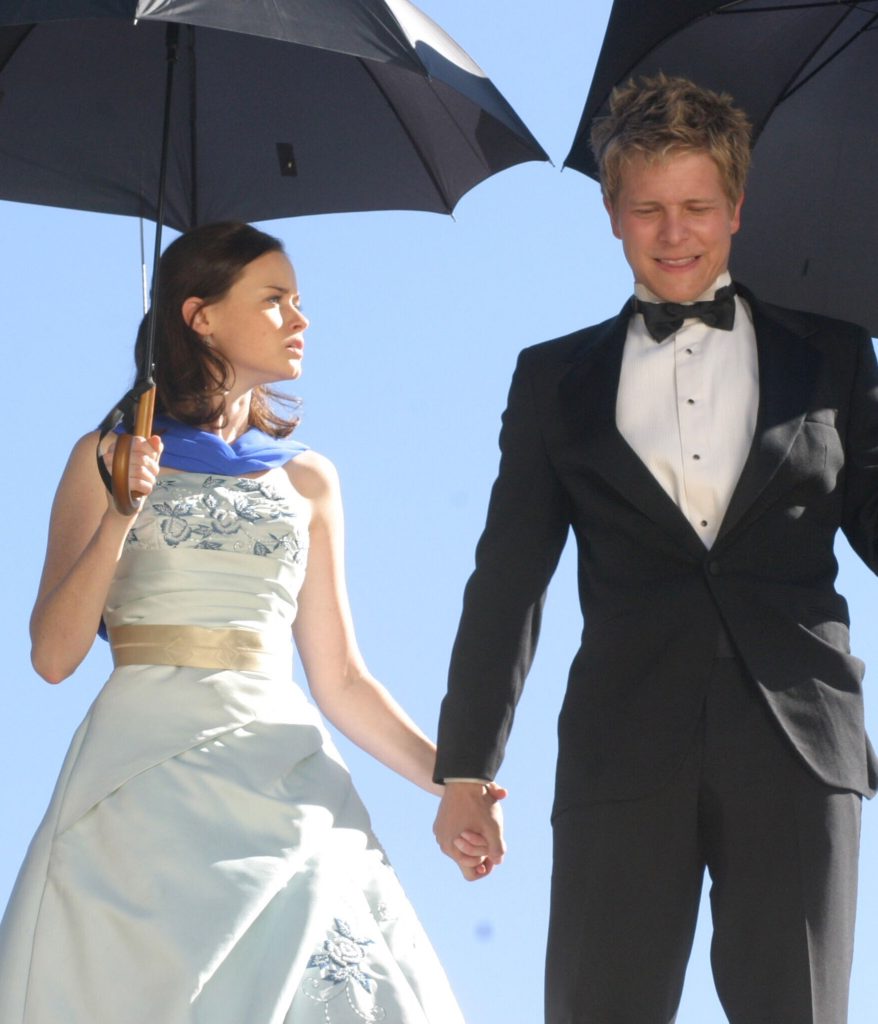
[[608, 206], [195, 315], [736, 214]]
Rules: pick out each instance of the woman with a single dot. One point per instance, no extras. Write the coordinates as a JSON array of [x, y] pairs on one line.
[[205, 856]]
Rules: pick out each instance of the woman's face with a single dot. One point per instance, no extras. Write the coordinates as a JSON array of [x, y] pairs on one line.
[[257, 326]]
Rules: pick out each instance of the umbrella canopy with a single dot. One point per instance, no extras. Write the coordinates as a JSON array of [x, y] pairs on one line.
[[190, 111], [805, 72], [280, 108]]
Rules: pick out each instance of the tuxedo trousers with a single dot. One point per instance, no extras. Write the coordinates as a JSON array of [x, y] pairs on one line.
[[781, 850]]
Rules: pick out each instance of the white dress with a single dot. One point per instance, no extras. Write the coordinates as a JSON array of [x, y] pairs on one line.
[[205, 858]]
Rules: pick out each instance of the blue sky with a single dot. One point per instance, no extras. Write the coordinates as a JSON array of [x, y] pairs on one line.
[[416, 323]]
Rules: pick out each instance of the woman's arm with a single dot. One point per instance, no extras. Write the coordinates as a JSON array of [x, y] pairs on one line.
[[86, 537], [347, 694]]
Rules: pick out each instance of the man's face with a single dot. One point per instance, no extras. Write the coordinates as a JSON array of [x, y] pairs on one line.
[[676, 224]]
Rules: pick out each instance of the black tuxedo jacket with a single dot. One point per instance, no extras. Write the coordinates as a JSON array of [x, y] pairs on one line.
[[654, 599]]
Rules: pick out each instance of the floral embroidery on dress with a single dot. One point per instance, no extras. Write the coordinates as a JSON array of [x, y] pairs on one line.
[[342, 954], [174, 524], [383, 913], [227, 514], [341, 964]]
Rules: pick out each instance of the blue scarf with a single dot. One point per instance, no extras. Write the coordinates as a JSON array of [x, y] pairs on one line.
[[199, 451]]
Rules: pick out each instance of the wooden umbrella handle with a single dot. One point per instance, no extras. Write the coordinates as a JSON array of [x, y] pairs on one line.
[[127, 503]]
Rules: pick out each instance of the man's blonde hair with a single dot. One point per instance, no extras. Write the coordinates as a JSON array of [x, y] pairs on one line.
[[662, 116]]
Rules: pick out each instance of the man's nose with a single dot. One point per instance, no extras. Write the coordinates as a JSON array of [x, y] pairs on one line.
[[673, 228]]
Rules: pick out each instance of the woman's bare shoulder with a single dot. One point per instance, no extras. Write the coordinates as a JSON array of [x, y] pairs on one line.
[[89, 442], [83, 455], [313, 475]]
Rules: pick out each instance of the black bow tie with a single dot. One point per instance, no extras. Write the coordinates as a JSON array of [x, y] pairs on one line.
[[663, 318]]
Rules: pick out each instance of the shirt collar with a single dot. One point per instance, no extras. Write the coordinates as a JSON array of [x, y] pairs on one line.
[[646, 295]]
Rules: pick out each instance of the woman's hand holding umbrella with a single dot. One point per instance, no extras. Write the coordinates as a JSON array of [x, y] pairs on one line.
[[133, 461]]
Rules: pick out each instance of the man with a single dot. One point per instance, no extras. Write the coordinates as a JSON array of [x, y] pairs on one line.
[[705, 448]]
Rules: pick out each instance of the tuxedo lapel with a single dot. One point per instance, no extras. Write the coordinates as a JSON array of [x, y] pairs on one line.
[[787, 374], [587, 398]]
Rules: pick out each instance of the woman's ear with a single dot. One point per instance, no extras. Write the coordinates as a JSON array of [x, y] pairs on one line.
[[195, 315]]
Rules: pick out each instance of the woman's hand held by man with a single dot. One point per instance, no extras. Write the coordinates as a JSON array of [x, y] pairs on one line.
[[469, 827]]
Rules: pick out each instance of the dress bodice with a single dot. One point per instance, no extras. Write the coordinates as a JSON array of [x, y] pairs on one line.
[[210, 550]]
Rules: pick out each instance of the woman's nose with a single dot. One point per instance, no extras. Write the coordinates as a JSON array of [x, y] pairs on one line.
[[297, 317]]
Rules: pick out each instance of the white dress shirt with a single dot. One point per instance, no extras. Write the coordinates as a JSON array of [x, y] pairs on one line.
[[688, 405]]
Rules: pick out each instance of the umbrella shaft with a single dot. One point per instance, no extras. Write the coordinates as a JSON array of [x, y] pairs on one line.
[[171, 39]]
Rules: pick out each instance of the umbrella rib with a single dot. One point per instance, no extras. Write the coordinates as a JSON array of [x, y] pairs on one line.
[[24, 32], [864, 28], [789, 88], [720, 10], [772, 8], [462, 134], [850, 6], [193, 129], [420, 154]]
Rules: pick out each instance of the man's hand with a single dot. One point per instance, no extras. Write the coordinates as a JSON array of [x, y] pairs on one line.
[[469, 827]]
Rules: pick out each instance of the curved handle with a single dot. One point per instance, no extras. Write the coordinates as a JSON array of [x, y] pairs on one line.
[[127, 503]]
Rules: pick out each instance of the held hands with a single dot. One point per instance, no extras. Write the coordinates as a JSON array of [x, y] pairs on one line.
[[143, 465], [469, 827]]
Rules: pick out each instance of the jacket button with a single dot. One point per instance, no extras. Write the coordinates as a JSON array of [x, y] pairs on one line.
[[714, 568]]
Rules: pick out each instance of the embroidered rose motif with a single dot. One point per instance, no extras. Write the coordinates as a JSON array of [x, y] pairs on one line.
[[342, 954], [174, 526], [245, 509], [175, 531], [223, 520]]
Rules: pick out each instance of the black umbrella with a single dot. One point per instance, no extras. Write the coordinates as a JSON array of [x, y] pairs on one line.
[[280, 107], [267, 108], [805, 72]]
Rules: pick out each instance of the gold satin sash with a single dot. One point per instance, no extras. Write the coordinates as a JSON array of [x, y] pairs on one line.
[[241, 650]]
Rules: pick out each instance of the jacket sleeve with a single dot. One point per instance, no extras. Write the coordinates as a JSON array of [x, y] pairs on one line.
[[860, 515], [525, 532]]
